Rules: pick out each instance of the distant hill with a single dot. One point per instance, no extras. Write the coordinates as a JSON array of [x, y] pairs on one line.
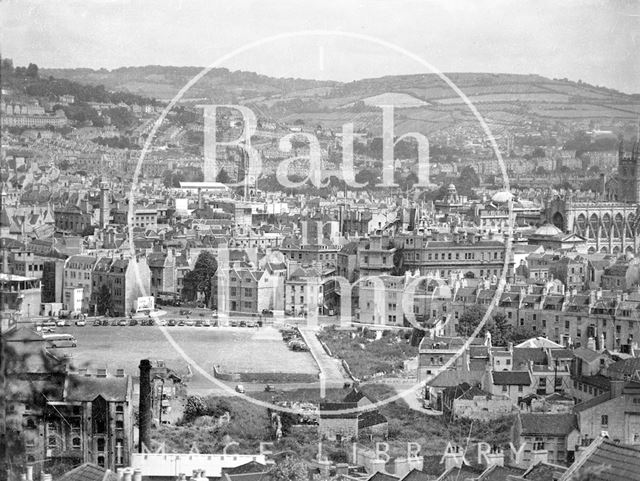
[[424, 102], [164, 82]]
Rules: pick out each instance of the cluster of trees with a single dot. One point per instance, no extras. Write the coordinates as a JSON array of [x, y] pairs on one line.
[[33, 84], [582, 142], [502, 332], [404, 149], [116, 142], [198, 281], [197, 406], [172, 178]]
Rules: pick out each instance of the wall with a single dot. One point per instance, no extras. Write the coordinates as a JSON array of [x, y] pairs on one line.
[[482, 409]]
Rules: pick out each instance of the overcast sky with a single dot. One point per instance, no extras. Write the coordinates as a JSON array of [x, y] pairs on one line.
[[597, 41]]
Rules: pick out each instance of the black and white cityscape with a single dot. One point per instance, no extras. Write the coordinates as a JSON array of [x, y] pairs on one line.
[[320, 241]]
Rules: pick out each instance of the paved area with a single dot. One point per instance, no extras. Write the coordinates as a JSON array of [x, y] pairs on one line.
[[330, 367]]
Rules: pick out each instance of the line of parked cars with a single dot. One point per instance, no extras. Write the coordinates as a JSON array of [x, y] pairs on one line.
[[293, 339], [123, 322], [190, 322]]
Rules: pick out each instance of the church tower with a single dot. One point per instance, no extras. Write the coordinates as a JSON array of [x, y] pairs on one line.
[[629, 173]]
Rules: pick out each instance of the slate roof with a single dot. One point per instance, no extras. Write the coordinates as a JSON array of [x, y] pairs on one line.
[[511, 378], [89, 472], [522, 355], [500, 473], [83, 388], [548, 424], [598, 380], [626, 367], [586, 354], [592, 402], [467, 392], [250, 467], [450, 378], [327, 411], [544, 472], [355, 396], [617, 462], [416, 475], [379, 476], [462, 473], [370, 418]]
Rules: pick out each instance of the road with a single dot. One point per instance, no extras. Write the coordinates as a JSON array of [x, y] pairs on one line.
[[330, 368]]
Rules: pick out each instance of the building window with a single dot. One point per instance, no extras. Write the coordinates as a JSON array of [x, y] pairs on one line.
[[101, 444], [604, 420], [504, 388], [76, 443], [52, 442]]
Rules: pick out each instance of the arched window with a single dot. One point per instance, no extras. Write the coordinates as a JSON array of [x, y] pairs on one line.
[[76, 443], [101, 444]]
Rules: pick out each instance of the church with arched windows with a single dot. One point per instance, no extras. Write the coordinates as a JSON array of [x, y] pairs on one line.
[[610, 224]]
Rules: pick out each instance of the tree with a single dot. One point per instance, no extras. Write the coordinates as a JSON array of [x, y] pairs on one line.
[[500, 329], [32, 71], [470, 319], [289, 469], [199, 279], [223, 177], [104, 301], [538, 152], [7, 67], [194, 408]]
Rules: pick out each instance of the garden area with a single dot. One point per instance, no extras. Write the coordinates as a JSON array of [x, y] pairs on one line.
[[370, 353]]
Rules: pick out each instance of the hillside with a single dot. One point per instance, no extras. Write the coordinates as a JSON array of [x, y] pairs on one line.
[[424, 103]]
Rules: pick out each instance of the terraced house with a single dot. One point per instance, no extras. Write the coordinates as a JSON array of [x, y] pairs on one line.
[[77, 274], [125, 279]]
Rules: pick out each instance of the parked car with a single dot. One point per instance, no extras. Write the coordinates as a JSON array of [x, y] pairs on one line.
[[185, 312], [180, 323], [49, 323], [133, 322], [172, 322], [114, 322], [81, 323], [189, 323], [62, 323], [97, 323], [206, 323], [198, 324], [122, 322], [269, 388], [239, 388]]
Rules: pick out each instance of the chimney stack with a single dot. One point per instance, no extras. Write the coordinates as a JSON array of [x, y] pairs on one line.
[[453, 458], [144, 422]]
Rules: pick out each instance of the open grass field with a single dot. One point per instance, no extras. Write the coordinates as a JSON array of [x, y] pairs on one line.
[[235, 349]]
